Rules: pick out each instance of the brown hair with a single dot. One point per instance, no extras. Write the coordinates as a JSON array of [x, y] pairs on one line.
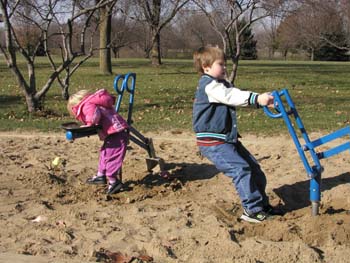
[[206, 56], [75, 99]]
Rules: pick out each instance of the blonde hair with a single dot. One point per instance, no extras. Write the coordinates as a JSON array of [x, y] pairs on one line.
[[75, 99], [206, 56]]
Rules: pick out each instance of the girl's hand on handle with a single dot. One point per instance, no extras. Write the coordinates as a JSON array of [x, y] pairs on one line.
[[265, 99]]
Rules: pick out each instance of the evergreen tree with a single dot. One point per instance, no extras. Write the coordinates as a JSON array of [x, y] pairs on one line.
[[247, 41], [248, 45], [328, 52]]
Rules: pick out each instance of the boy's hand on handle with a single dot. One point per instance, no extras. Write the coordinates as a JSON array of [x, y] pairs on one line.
[[265, 99]]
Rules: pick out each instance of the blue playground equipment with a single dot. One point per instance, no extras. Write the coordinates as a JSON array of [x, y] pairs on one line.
[[122, 84], [315, 170]]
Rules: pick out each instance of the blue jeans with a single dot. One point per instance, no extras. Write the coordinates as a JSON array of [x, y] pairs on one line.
[[235, 161]]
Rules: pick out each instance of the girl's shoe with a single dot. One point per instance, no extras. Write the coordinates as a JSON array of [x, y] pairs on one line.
[[97, 180], [114, 188]]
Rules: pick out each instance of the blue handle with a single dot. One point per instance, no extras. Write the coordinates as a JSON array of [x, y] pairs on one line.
[[116, 86], [270, 114], [276, 103], [129, 88]]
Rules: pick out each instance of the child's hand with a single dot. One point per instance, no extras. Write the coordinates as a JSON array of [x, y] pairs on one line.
[[265, 99]]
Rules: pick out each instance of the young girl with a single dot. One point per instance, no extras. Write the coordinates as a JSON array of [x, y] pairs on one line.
[[98, 108]]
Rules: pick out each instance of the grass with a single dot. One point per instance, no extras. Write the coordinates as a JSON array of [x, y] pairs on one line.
[[164, 95]]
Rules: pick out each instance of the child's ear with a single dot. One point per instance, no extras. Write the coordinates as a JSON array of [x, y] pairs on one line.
[[205, 68]]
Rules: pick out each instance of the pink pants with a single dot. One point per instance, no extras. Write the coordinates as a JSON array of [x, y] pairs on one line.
[[112, 154]]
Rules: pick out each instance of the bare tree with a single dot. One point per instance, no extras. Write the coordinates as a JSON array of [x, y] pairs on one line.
[[270, 26], [157, 15], [195, 30], [311, 24], [224, 17], [66, 18], [123, 28], [299, 30], [287, 37], [332, 16], [267, 35]]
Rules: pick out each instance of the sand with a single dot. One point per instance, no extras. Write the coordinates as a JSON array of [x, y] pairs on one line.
[[49, 214]]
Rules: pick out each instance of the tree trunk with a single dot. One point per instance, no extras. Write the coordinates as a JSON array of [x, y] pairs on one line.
[[155, 51], [235, 57], [155, 33], [270, 53], [312, 54], [105, 40], [65, 92], [233, 75], [32, 104]]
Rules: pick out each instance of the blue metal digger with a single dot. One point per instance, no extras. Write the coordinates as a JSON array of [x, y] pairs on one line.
[[286, 109]]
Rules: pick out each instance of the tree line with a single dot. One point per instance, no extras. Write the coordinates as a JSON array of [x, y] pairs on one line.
[[69, 32]]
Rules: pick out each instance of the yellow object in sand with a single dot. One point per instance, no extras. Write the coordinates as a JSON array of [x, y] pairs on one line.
[[56, 161]]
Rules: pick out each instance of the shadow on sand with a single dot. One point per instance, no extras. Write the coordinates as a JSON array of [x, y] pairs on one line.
[[296, 196], [184, 172]]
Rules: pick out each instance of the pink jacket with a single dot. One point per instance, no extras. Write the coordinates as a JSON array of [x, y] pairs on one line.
[[98, 108]]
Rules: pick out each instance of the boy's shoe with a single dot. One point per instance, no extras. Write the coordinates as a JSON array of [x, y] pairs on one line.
[[273, 211], [97, 180], [254, 217], [114, 188]]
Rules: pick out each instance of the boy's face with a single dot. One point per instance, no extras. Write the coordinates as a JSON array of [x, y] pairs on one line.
[[217, 69]]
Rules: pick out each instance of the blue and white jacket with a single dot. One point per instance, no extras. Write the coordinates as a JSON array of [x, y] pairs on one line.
[[214, 109]]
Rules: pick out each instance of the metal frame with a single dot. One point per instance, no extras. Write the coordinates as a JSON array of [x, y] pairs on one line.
[[128, 85], [313, 171]]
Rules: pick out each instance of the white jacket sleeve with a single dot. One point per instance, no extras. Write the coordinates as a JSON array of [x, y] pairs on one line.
[[218, 93]]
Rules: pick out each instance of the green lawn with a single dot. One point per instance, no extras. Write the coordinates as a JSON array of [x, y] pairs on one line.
[[164, 95]]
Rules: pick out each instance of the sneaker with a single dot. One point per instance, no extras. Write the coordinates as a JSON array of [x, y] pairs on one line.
[[257, 217], [114, 188], [97, 180], [273, 211]]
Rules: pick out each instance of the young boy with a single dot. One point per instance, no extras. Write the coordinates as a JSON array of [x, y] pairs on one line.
[[215, 125]]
